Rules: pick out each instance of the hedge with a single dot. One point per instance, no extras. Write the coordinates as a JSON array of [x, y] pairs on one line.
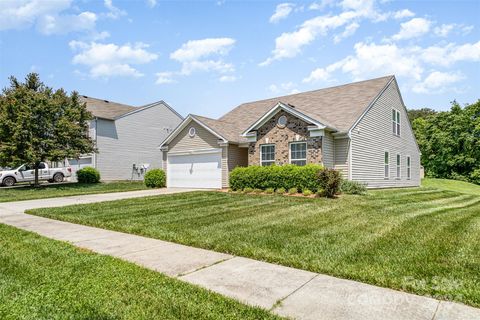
[[88, 175], [276, 177], [155, 178]]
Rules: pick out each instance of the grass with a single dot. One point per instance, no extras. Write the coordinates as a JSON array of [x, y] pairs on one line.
[[452, 185], [421, 240], [47, 279], [67, 189]]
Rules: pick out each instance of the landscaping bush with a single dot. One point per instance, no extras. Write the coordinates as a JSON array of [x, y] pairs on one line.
[[307, 192], [275, 177], [247, 190], [88, 175], [353, 187], [269, 191], [155, 178], [292, 191], [329, 180], [281, 191], [257, 190]]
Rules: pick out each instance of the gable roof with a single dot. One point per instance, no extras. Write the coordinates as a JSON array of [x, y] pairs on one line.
[[106, 109], [337, 108]]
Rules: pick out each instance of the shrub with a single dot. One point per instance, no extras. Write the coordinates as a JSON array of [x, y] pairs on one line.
[[286, 176], [320, 193], [155, 178], [247, 190], [269, 191], [352, 187], [281, 191], [257, 190], [307, 192], [329, 180], [292, 191], [88, 175]]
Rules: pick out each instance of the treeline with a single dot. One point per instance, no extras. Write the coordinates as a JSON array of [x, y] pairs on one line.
[[449, 141]]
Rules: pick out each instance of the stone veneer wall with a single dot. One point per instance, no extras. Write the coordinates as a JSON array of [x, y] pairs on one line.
[[295, 130]]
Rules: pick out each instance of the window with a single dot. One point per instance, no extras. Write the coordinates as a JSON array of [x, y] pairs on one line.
[[396, 122], [387, 165], [282, 121], [298, 153], [192, 132], [408, 168], [267, 154], [398, 166]]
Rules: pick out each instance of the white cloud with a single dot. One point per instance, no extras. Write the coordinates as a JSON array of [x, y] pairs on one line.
[[413, 28], [61, 24], [283, 88], [349, 31], [444, 29], [405, 13], [48, 16], [113, 12], [451, 53], [105, 60], [204, 55], [437, 82], [320, 5], [151, 3], [227, 78], [282, 11], [165, 78]]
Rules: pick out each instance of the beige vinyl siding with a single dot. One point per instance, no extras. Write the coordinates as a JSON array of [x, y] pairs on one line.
[[132, 139], [225, 171], [328, 156], [341, 148], [237, 157], [373, 135], [203, 139]]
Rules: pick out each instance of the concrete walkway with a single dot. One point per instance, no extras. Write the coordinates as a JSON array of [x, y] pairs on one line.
[[285, 291]]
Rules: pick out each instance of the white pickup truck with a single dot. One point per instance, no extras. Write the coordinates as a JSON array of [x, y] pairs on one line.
[[26, 173]]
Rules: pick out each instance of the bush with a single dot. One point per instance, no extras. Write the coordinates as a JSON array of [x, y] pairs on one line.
[[353, 187], [329, 180], [320, 193], [88, 175], [281, 191], [269, 191], [247, 190], [257, 190], [307, 192], [292, 191], [275, 177], [155, 178]]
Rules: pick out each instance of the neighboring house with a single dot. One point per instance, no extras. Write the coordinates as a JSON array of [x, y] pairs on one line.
[[360, 129], [126, 137]]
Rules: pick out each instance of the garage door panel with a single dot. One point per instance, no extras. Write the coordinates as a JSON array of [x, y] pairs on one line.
[[195, 171]]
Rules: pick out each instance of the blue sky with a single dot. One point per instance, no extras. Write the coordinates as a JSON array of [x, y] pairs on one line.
[[206, 57]]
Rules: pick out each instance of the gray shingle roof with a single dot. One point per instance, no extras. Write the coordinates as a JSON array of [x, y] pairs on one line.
[[336, 107], [106, 109]]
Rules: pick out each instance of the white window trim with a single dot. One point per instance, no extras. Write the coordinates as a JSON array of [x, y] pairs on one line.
[[398, 166], [290, 151], [261, 153], [397, 122], [408, 166], [386, 164]]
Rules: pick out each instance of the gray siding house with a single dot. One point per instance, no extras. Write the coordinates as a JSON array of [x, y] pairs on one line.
[[126, 138], [360, 129]]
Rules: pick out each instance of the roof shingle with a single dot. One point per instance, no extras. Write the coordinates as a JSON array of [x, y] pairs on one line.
[[106, 109]]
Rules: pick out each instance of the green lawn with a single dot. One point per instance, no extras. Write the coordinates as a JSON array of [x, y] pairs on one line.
[[67, 189], [47, 279], [452, 185], [422, 240]]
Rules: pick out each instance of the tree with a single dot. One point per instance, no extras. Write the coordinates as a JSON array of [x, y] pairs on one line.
[[450, 142], [38, 123], [420, 113]]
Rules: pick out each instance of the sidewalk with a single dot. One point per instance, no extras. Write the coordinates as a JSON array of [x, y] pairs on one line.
[[285, 291]]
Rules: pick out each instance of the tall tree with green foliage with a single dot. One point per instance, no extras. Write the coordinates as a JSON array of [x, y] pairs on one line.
[[420, 113], [38, 124], [450, 142]]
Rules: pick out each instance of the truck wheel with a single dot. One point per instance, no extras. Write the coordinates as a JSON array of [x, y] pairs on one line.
[[9, 181], [58, 177]]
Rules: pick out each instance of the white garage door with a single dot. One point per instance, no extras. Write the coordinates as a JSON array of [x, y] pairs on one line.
[[195, 170]]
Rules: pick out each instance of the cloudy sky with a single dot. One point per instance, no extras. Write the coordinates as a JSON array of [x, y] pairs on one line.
[[206, 57]]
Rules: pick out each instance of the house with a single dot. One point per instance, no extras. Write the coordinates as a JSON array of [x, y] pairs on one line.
[[360, 129], [126, 137]]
